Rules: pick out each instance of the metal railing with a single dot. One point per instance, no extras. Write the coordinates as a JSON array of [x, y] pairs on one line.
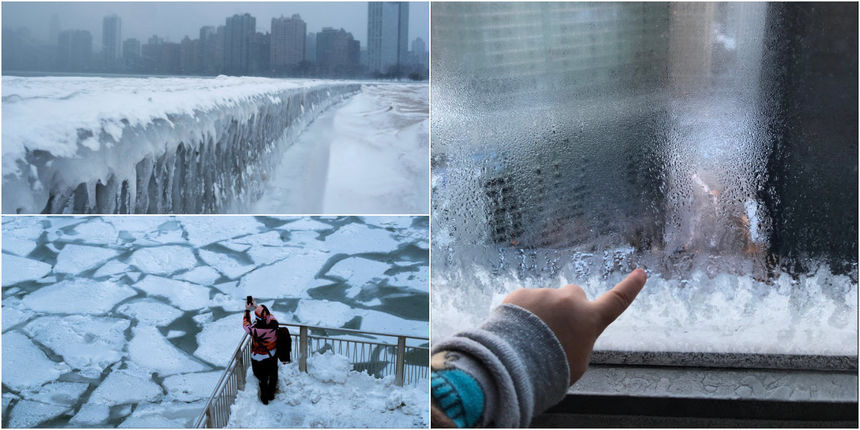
[[408, 364]]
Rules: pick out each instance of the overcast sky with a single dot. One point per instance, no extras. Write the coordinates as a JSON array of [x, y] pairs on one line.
[[175, 20]]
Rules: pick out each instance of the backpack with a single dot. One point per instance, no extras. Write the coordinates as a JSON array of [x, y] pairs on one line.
[[285, 344]]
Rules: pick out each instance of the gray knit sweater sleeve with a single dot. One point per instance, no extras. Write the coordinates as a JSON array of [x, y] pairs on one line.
[[518, 362]]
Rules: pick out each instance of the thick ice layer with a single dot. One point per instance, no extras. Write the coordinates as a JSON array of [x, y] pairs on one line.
[[155, 145], [126, 386], [79, 258], [331, 395], [87, 343], [25, 365], [184, 295], [718, 312], [19, 269], [78, 296], [150, 350]]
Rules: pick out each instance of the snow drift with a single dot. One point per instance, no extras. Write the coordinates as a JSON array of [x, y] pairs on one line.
[[154, 145]]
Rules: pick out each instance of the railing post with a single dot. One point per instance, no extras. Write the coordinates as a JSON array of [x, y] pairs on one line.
[[241, 363], [401, 361], [210, 420], [303, 349]]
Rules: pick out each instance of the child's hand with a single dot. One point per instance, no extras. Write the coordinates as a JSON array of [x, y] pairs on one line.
[[575, 321]]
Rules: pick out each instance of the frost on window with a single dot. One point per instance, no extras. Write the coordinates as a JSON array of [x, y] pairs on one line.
[[714, 144]]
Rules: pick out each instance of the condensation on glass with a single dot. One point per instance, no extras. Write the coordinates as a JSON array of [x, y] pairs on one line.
[[714, 144]]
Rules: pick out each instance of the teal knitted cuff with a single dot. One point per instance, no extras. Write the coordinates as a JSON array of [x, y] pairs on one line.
[[459, 396]]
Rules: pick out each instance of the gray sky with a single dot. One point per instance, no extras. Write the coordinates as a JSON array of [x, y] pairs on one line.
[[175, 20]]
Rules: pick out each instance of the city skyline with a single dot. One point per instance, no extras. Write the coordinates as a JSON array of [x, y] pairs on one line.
[[174, 21]]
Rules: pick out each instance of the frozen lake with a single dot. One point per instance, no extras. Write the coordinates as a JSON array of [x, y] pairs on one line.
[[128, 321]]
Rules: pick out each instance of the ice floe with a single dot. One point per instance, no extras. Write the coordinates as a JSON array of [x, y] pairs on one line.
[[150, 350], [126, 386], [25, 366], [358, 238], [150, 312], [189, 387], [184, 295], [358, 271], [18, 246], [226, 264], [112, 267], [91, 415], [79, 258], [205, 230], [78, 296], [217, 341], [59, 393], [27, 413], [19, 269], [85, 342], [286, 278], [163, 260]]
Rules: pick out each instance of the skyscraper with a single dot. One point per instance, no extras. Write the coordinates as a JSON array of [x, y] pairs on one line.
[[111, 39], [337, 52], [287, 47], [240, 31], [311, 48], [131, 53], [419, 51], [387, 35], [74, 50]]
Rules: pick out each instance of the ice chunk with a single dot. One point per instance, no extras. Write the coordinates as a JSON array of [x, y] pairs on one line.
[[205, 230], [306, 223], [382, 322], [203, 275], [287, 278], [19, 269], [323, 313], [91, 415], [138, 226], [28, 413], [149, 349], [30, 228], [308, 240], [329, 367], [263, 255], [269, 238], [358, 271], [165, 414], [227, 265], [184, 295], [25, 365], [126, 386], [219, 339], [79, 258], [60, 393], [85, 342], [7, 399], [111, 268], [13, 316], [419, 280], [191, 386], [163, 260], [150, 312], [357, 238], [78, 296], [18, 246], [93, 231], [389, 221]]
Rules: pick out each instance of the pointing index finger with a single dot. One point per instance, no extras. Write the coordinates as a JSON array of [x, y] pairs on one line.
[[613, 302]]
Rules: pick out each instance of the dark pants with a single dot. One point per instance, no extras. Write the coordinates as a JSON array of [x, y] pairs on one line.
[[267, 372]]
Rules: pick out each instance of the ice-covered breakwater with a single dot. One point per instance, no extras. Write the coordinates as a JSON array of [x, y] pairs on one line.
[[154, 145]]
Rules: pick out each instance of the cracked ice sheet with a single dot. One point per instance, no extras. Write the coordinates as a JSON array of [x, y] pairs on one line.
[[419, 280], [149, 349], [25, 365], [150, 312], [75, 259], [28, 413], [59, 393], [165, 414], [357, 238], [288, 278], [227, 265], [189, 387], [85, 342], [203, 275], [184, 295], [163, 260], [126, 386], [357, 272], [78, 296], [206, 230], [93, 231], [306, 224], [18, 246], [217, 341], [19, 269]]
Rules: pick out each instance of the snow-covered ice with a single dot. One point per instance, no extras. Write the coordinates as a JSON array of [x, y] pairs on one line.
[[80, 258], [100, 142], [163, 260], [19, 269], [332, 395], [368, 155], [144, 343], [27, 413]]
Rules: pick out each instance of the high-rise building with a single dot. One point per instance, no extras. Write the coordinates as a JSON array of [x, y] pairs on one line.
[[111, 39], [189, 55], [239, 34], [287, 48], [260, 51], [337, 52], [131, 53], [387, 35], [419, 52], [210, 61], [74, 50], [54, 29], [311, 48]]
